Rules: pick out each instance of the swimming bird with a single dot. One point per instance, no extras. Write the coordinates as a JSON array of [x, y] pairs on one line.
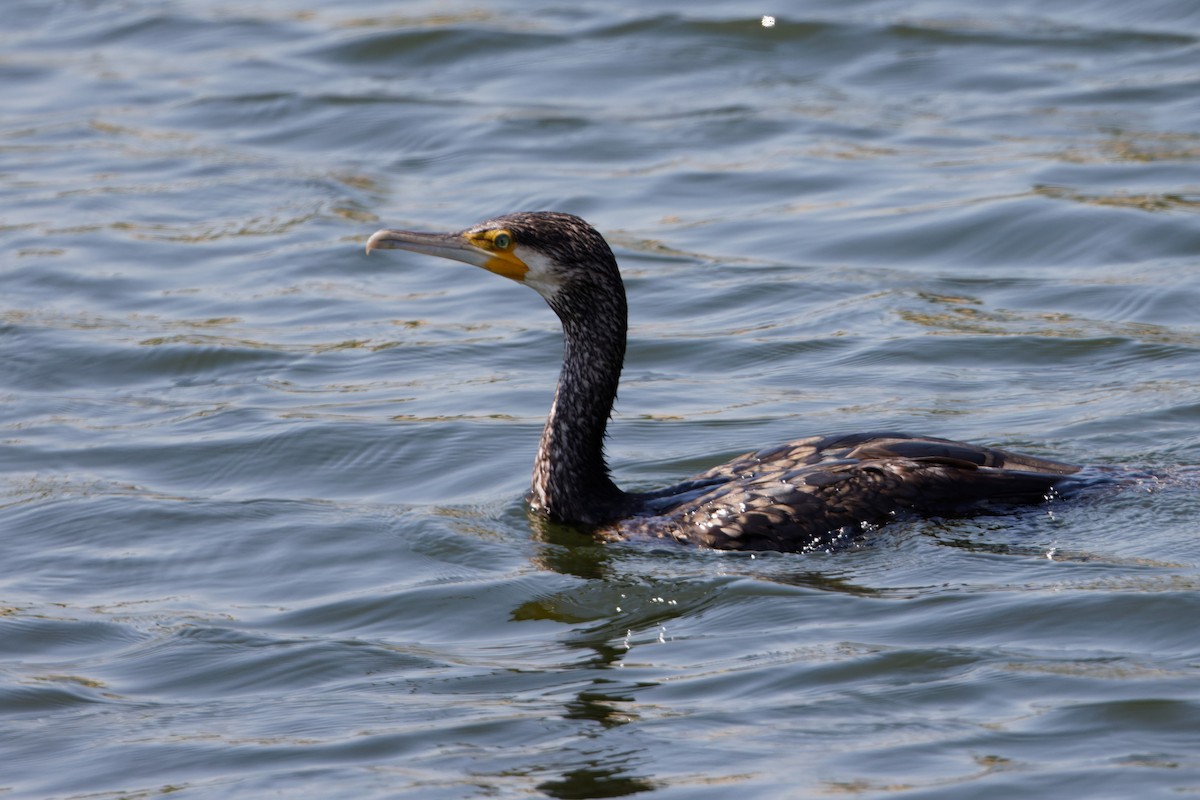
[[808, 494]]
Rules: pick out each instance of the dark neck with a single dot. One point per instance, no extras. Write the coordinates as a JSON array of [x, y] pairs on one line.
[[570, 476]]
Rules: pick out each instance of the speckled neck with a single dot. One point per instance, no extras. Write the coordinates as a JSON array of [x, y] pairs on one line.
[[571, 481]]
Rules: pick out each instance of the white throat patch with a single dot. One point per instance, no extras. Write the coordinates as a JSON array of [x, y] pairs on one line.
[[543, 277]]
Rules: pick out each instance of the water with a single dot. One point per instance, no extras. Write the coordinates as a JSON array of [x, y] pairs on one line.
[[260, 495]]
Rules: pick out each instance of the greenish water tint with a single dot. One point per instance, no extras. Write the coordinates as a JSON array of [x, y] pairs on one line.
[[260, 521]]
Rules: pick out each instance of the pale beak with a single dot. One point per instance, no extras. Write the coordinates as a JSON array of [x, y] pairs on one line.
[[446, 245], [451, 245]]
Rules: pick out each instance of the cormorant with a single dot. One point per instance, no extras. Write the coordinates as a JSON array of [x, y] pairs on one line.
[[809, 494]]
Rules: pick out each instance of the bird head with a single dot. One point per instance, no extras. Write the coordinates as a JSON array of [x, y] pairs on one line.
[[545, 250]]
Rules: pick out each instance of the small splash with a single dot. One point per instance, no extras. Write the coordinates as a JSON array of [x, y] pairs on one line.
[[768, 21]]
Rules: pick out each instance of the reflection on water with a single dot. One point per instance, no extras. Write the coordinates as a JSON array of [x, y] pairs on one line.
[[1142, 202]]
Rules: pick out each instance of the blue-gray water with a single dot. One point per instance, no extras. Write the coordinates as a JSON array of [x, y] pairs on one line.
[[261, 529]]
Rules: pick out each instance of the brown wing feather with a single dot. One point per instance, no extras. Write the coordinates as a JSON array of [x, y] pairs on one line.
[[810, 493]]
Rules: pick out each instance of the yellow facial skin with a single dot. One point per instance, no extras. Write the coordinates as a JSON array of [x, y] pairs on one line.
[[503, 261]]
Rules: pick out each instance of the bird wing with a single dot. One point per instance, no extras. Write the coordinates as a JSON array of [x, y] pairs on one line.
[[813, 493], [879, 446]]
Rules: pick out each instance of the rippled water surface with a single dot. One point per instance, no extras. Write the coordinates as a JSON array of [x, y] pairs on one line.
[[261, 527]]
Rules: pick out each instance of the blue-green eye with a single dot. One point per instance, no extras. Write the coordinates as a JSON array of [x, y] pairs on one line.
[[502, 240]]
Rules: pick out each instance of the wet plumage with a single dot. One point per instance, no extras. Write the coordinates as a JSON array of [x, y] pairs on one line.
[[803, 495]]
